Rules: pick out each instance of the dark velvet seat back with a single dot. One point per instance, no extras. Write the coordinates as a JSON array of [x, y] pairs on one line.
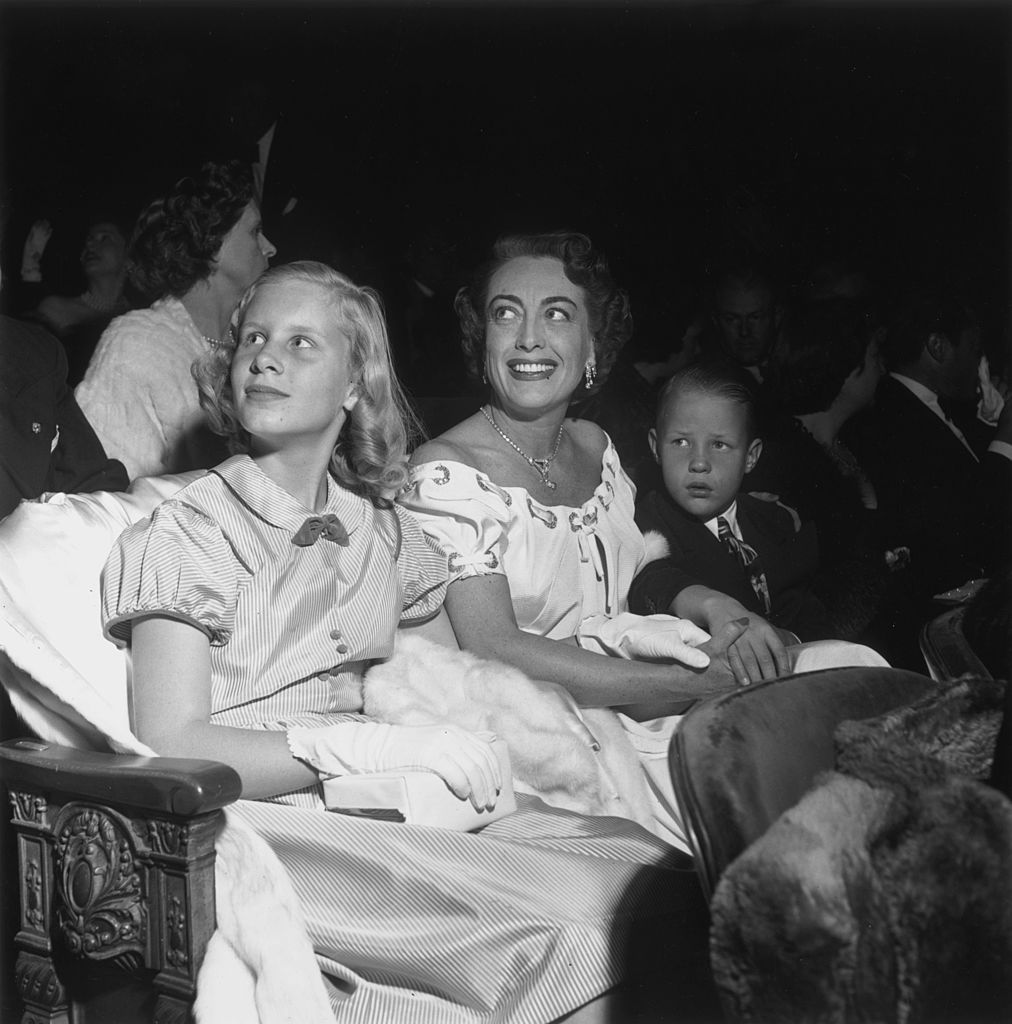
[[740, 760]]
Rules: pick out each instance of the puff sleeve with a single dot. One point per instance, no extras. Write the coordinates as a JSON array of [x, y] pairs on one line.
[[464, 512], [175, 563], [422, 568]]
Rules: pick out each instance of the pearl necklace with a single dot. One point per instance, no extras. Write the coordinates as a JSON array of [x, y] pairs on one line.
[[540, 466], [213, 342]]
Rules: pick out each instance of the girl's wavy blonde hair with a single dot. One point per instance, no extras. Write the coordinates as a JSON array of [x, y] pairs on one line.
[[371, 454]]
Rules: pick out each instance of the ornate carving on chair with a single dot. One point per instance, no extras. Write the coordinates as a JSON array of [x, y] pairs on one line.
[[115, 865]]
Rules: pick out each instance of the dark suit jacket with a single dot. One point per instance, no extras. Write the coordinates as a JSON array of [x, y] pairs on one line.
[[36, 409], [788, 558], [934, 497]]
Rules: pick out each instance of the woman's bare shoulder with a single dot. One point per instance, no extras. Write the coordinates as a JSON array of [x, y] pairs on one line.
[[458, 444], [588, 436]]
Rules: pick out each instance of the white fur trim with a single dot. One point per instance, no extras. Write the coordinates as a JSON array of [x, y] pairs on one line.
[[261, 924], [656, 546], [579, 760]]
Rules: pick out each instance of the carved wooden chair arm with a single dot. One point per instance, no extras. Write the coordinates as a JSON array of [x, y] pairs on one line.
[[115, 866], [161, 785]]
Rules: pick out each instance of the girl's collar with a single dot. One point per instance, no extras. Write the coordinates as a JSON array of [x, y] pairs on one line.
[[274, 505]]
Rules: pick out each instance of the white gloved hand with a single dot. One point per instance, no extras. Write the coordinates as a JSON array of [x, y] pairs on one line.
[[645, 636], [465, 761]]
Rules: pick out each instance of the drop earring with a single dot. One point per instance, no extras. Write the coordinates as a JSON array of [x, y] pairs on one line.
[[589, 374]]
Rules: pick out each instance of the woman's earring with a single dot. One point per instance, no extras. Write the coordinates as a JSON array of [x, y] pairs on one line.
[[589, 373], [484, 376]]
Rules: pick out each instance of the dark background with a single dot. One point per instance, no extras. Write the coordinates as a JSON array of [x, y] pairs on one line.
[[802, 129]]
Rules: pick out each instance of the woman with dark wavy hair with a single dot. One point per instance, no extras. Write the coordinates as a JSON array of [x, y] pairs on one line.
[[536, 514], [194, 251]]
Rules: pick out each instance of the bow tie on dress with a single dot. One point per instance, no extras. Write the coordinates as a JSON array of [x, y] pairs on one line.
[[328, 526]]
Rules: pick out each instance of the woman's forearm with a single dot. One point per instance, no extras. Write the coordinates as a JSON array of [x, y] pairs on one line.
[[481, 613], [597, 680]]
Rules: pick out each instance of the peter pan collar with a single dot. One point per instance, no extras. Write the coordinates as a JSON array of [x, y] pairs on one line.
[[274, 505]]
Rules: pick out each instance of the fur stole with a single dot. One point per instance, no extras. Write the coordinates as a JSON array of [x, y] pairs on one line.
[[885, 894], [578, 759]]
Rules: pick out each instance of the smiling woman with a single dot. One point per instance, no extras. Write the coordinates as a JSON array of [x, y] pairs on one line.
[[536, 515]]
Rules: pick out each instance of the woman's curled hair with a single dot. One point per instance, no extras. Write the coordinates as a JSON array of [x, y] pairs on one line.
[[371, 455], [178, 236], [607, 305]]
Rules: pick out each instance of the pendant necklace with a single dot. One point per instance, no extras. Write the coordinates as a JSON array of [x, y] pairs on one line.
[[540, 466]]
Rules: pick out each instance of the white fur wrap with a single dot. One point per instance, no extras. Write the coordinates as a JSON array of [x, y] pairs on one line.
[[578, 759]]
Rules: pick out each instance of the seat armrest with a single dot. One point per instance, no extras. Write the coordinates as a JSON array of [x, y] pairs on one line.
[[946, 651], [160, 785]]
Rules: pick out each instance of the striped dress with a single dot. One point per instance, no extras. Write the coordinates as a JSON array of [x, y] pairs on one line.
[[522, 922]]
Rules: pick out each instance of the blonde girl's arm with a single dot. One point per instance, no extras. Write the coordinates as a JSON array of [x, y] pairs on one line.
[[171, 710]]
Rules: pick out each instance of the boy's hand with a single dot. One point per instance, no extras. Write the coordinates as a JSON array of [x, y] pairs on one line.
[[759, 653]]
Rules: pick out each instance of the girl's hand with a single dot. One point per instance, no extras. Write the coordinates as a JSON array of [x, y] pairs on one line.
[[465, 761]]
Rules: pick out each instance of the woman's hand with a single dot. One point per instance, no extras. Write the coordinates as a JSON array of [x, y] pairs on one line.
[[645, 636], [716, 678], [465, 761]]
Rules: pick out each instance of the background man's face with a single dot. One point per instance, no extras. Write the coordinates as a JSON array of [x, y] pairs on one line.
[[746, 321]]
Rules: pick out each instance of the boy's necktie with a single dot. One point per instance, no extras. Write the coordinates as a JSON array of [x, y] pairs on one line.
[[746, 555]]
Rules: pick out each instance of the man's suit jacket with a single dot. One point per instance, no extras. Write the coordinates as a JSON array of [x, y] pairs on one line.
[[934, 497], [787, 555], [46, 443]]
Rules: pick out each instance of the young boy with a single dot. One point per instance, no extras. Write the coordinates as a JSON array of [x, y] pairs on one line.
[[729, 554]]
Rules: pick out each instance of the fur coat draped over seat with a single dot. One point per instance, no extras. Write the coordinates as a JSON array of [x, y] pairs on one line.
[[885, 894]]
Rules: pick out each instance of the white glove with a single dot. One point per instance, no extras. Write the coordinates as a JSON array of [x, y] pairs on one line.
[[645, 636], [465, 761]]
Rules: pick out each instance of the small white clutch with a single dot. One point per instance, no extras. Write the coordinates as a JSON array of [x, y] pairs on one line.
[[417, 797]]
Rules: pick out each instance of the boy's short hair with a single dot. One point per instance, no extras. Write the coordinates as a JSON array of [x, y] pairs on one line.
[[713, 378]]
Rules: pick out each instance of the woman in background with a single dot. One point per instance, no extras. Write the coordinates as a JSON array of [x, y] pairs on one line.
[[195, 251]]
